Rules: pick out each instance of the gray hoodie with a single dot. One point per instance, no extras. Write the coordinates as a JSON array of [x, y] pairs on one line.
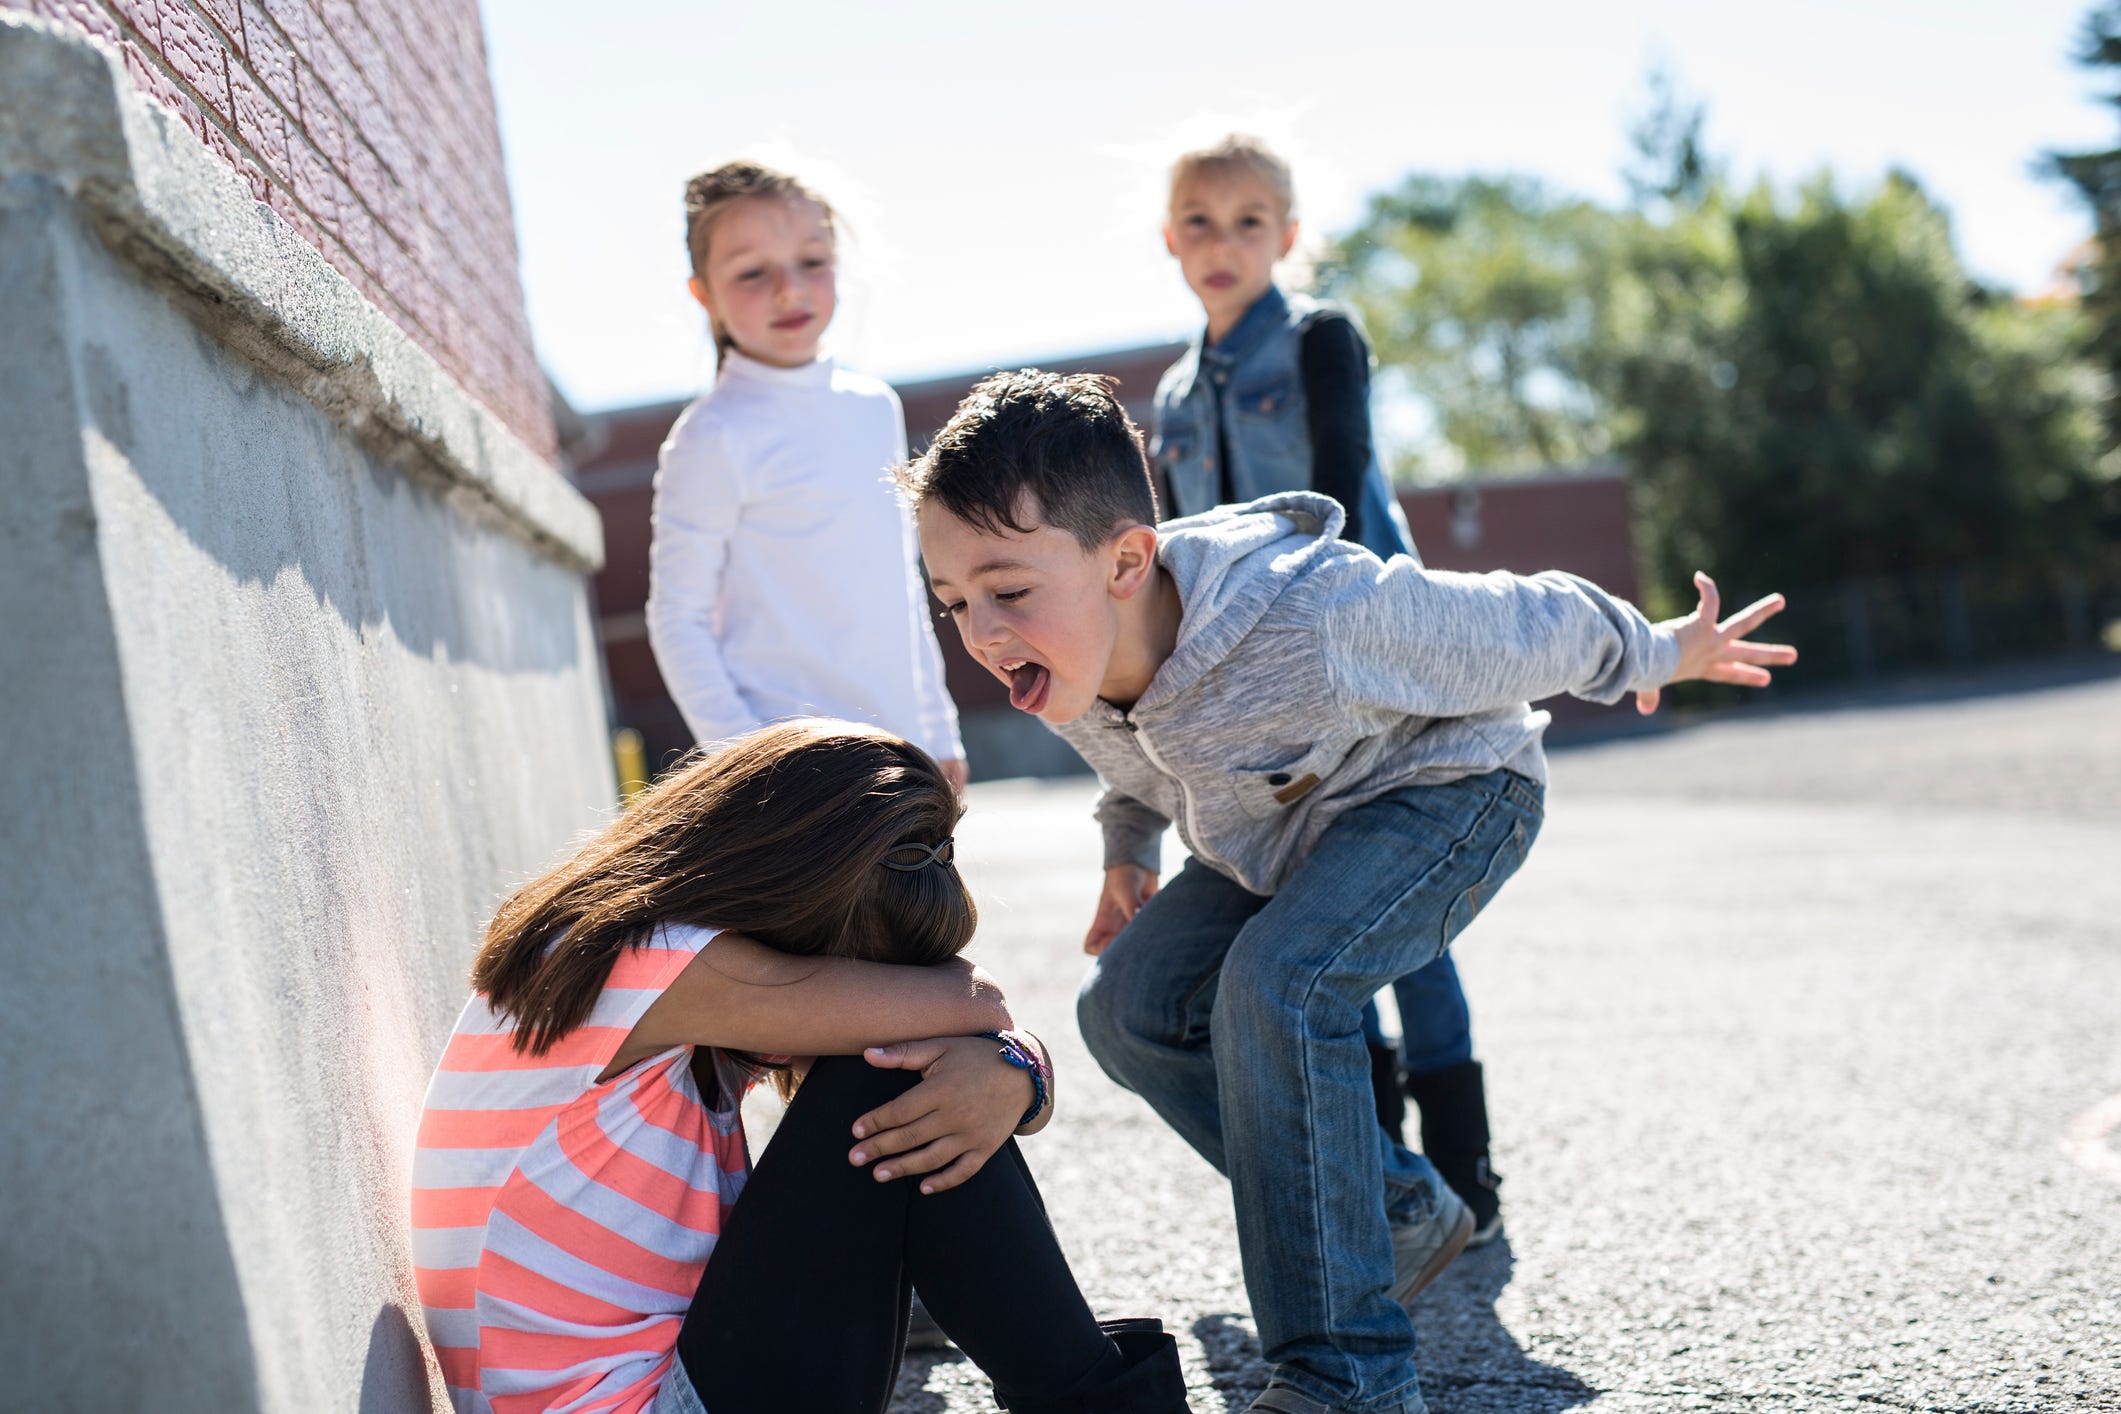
[[1310, 677]]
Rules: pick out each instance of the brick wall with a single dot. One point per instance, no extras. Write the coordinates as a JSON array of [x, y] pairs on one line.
[[370, 129]]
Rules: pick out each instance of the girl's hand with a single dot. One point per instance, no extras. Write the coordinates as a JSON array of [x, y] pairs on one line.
[[966, 1106], [1714, 652], [957, 773], [1127, 888]]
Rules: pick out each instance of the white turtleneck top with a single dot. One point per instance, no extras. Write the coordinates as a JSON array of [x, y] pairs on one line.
[[784, 576]]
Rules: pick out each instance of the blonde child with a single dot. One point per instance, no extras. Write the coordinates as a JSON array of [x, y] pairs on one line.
[[1274, 395], [587, 1229], [782, 575]]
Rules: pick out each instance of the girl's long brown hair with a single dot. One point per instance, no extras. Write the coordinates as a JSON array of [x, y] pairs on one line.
[[779, 836]]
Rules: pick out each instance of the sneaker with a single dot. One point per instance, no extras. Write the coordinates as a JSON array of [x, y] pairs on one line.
[[922, 1333], [1278, 1398], [1423, 1248]]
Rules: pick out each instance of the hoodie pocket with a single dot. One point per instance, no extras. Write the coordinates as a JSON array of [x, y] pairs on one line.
[[1264, 792]]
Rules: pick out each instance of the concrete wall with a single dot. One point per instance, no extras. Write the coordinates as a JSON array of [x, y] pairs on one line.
[[298, 677]]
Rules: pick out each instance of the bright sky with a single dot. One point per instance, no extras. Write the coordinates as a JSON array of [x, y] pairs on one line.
[[1000, 165]]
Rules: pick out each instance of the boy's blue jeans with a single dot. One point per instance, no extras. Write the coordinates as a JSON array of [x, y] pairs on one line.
[[1239, 1019]]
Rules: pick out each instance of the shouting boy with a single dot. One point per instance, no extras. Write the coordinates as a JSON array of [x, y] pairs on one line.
[[1346, 746]]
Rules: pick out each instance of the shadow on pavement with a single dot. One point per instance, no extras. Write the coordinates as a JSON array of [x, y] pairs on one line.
[[1233, 1359], [1470, 1363]]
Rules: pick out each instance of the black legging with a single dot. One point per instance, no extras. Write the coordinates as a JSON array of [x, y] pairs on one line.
[[803, 1303]]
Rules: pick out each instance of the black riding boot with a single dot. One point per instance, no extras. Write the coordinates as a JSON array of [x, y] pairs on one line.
[[1151, 1383], [1384, 1086], [1454, 1136]]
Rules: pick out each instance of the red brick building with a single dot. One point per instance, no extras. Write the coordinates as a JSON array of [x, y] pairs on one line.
[[370, 130], [1576, 520]]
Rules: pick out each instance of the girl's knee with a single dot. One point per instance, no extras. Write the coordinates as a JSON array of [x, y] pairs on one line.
[[852, 1084]]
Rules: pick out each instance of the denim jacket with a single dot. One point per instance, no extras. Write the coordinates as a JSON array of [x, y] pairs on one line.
[[1251, 383]]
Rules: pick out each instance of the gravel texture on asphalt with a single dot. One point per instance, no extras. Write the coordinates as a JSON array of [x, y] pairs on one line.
[[1785, 1024]]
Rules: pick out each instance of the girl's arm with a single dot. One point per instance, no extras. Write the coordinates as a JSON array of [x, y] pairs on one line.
[[698, 502], [1335, 364], [741, 995]]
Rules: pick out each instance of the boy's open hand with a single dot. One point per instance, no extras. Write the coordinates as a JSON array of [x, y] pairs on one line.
[[967, 1105], [1717, 652], [1127, 888]]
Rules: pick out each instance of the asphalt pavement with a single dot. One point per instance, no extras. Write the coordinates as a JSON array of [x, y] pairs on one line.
[[1803, 1037]]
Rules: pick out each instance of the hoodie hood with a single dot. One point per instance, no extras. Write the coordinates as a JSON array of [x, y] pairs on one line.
[[1230, 564]]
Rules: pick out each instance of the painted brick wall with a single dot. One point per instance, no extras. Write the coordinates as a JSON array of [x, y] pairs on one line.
[[370, 129]]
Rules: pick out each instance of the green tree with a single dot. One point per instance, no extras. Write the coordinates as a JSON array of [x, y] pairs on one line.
[[1810, 389], [1670, 162], [1482, 295], [1807, 385], [2097, 178]]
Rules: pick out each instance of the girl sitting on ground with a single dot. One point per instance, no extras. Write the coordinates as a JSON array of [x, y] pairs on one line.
[[587, 1232]]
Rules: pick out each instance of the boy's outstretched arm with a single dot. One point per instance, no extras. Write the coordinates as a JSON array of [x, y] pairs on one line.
[[1433, 643], [1718, 652]]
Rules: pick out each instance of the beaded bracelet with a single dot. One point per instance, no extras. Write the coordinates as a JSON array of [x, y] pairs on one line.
[[1019, 1050]]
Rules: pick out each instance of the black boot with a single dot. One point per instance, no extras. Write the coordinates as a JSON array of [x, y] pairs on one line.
[[1151, 1383], [1384, 1085], [1454, 1135]]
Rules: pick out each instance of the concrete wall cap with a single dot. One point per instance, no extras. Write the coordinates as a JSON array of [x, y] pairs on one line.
[[162, 201]]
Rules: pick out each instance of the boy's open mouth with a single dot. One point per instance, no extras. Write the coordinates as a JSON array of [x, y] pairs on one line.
[[1028, 682]]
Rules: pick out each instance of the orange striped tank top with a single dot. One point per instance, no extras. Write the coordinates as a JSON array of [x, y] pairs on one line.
[[559, 1225]]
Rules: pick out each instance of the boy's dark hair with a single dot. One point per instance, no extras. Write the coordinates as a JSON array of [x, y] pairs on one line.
[[1063, 439]]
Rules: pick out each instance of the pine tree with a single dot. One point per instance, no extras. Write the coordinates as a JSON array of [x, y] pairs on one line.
[[2097, 178]]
